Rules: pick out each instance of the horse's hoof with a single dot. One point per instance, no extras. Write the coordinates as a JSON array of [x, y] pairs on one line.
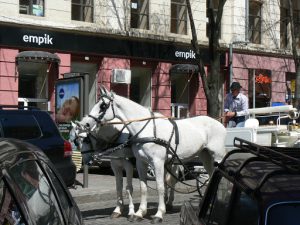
[[156, 220], [130, 218], [136, 218], [115, 215]]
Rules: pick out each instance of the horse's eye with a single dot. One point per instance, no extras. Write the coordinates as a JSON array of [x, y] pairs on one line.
[[103, 106]]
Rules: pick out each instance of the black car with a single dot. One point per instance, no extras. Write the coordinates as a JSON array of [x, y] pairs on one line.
[[31, 190], [253, 185], [38, 128]]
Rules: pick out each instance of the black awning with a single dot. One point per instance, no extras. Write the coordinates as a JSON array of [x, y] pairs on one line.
[[184, 68], [37, 56]]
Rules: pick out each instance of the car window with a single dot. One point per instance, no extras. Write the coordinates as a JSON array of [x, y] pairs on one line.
[[244, 210], [63, 196], [217, 210], [9, 210], [284, 213], [22, 127], [41, 201]]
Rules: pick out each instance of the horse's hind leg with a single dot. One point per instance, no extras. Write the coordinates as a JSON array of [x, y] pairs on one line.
[[142, 170], [207, 160], [117, 169], [170, 182], [129, 188]]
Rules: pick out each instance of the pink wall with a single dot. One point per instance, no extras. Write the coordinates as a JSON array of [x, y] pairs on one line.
[[278, 66], [161, 89], [65, 64], [105, 71], [8, 77]]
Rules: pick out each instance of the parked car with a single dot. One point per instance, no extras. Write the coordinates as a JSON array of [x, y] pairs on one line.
[[253, 185], [31, 190], [38, 128]]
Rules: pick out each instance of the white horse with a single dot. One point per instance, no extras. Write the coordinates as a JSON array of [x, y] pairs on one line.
[[154, 138], [90, 142]]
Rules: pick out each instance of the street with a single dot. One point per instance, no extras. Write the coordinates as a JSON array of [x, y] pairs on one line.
[[98, 200]]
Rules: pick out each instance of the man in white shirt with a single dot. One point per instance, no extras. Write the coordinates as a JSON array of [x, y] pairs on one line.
[[236, 106]]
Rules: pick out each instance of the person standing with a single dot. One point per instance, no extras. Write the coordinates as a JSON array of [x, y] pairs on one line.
[[236, 106]]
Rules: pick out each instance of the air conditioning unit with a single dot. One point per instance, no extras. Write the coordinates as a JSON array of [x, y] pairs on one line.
[[121, 76]]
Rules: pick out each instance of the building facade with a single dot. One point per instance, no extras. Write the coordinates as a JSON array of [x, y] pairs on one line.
[[146, 38]]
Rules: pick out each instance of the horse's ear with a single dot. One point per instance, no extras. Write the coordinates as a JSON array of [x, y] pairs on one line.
[[103, 90], [73, 124]]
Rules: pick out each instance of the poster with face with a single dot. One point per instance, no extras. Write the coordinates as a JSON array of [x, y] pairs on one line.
[[67, 101], [68, 104]]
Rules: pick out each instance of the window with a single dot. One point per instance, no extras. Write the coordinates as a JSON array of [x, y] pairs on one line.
[[245, 210], [178, 17], [254, 29], [23, 127], [214, 5], [140, 14], [38, 193], [9, 211], [217, 210], [297, 26], [290, 85], [83, 10], [284, 22], [284, 213], [31, 7], [263, 88]]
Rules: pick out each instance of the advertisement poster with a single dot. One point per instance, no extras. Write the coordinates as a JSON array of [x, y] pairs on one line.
[[67, 109]]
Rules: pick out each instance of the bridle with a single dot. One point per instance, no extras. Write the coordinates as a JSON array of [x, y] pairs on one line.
[[104, 106]]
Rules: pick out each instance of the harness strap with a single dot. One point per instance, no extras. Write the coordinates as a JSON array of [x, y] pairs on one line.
[[154, 125], [175, 127]]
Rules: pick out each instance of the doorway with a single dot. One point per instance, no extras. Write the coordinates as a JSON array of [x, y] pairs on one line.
[[179, 95], [140, 87]]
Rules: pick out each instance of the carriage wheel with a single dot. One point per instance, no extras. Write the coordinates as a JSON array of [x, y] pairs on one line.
[[201, 179]]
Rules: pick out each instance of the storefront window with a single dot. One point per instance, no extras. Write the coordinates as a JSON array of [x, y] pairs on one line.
[[83, 10], [290, 85], [260, 83], [31, 7], [139, 14]]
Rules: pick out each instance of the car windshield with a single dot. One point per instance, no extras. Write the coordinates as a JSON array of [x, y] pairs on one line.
[[284, 213]]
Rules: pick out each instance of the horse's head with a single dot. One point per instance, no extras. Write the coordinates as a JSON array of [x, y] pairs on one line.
[[102, 111], [79, 135]]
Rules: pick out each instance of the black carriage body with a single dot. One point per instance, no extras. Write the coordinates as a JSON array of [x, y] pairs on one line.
[[253, 185]]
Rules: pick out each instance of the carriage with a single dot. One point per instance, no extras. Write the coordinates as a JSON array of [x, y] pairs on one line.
[[158, 141]]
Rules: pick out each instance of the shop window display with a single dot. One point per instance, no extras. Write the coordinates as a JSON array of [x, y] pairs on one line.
[[262, 88]]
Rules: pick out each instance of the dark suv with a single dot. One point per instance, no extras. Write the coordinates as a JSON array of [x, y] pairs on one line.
[[38, 128], [253, 185]]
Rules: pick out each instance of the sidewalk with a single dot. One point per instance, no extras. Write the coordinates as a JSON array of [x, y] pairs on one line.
[[98, 200]]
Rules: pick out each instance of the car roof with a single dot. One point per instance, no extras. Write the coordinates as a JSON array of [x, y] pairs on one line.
[[265, 173]]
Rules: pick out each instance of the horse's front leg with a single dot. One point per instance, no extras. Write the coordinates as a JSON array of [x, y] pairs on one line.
[[142, 171], [160, 184], [129, 188], [117, 169]]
